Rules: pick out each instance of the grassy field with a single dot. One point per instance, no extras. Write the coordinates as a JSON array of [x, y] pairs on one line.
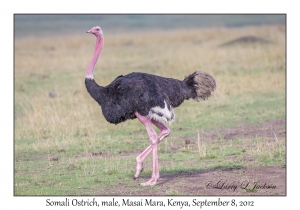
[[64, 146]]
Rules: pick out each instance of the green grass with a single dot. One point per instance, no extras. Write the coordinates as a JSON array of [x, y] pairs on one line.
[[81, 174], [78, 171]]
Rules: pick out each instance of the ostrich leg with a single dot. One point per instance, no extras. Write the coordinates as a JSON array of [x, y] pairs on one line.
[[164, 131], [154, 140]]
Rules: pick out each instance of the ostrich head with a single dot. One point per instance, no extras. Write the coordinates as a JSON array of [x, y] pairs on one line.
[[96, 31]]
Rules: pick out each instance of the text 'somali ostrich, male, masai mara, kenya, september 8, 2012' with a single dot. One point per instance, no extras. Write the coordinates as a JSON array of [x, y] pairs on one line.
[[149, 98]]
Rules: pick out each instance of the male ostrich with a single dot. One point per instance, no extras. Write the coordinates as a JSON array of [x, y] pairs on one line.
[[149, 98]]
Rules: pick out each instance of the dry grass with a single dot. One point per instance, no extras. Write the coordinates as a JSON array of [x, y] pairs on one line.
[[59, 63], [201, 147], [270, 150]]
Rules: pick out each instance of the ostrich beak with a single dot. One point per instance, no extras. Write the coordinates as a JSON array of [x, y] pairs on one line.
[[89, 31]]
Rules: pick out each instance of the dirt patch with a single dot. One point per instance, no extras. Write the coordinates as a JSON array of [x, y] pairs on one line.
[[211, 182], [239, 181], [266, 129], [246, 40]]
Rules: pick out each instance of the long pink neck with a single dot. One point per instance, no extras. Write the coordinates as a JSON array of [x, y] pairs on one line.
[[98, 49]]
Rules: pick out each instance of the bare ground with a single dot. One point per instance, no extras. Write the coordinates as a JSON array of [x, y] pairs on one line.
[[270, 128], [259, 180], [239, 181]]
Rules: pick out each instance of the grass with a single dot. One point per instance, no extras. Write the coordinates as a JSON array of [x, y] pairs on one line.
[[64, 146]]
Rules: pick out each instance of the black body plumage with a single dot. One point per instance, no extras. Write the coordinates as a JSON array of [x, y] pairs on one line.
[[139, 92]]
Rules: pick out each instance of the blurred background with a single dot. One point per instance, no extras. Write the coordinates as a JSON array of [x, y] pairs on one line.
[[37, 25], [64, 146]]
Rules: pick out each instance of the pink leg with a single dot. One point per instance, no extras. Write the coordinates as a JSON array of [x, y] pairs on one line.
[[154, 140], [164, 131]]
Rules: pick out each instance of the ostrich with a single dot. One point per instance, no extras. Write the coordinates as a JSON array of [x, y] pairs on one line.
[[149, 98]]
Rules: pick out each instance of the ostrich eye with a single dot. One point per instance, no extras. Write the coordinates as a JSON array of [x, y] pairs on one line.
[[97, 29]]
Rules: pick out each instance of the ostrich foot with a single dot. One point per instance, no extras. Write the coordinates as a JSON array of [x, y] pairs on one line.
[[139, 169], [151, 182]]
